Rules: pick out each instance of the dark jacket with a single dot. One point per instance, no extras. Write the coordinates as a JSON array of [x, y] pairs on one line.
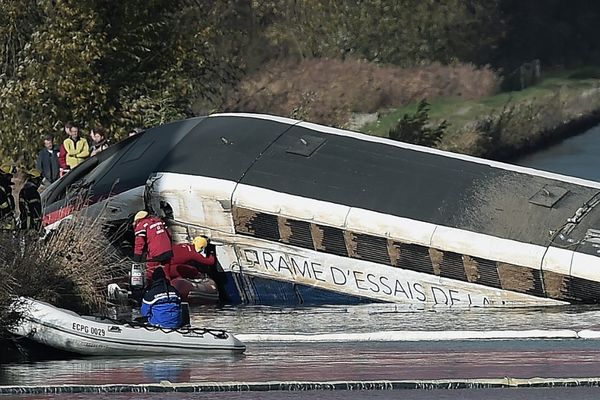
[[96, 148], [7, 201], [47, 164], [30, 206], [162, 303]]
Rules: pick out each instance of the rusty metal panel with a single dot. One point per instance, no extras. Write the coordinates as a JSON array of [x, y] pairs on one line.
[[520, 279], [557, 285], [481, 271], [369, 248], [471, 269], [329, 240], [449, 264], [351, 244], [436, 257], [242, 218], [394, 252], [415, 258], [296, 233], [584, 290], [261, 225]]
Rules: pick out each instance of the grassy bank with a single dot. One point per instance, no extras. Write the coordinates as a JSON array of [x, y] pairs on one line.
[[504, 125], [481, 120]]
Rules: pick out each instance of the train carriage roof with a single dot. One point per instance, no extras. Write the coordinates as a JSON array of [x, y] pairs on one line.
[[356, 170]]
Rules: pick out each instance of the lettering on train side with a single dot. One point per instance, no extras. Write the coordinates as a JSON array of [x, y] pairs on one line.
[[420, 291], [385, 285], [301, 269], [291, 266], [284, 265], [317, 271], [338, 276], [268, 259]]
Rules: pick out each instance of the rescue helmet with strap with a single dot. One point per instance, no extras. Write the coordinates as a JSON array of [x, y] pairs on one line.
[[7, 168], [33, 173], [140, 215], [199, 243]]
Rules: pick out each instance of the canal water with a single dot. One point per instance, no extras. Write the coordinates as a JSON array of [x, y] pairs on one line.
[[577, 156], [364, 343]]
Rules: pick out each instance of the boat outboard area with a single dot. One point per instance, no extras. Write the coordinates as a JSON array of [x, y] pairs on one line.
[[88, 335], [309, 214]]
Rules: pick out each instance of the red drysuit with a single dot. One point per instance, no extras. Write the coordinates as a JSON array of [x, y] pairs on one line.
[[153, 237], [183, 255]]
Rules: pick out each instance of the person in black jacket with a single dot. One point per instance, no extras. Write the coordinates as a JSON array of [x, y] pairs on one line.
[[47, 161], [7, 200], [30, 203], [162, 303]]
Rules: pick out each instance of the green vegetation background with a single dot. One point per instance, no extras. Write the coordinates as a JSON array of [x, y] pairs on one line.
[[139, 63]]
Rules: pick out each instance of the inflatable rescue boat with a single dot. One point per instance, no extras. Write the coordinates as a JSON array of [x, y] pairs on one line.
[[88, 335]]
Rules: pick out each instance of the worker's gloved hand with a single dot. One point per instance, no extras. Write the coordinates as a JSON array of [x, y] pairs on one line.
[[211, 248]]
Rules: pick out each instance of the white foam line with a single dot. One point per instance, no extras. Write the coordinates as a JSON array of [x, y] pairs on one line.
[[428, 384], [408, 336], [589, 334]]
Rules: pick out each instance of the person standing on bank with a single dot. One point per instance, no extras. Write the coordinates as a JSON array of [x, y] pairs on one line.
[[99, 140], [7, 200], [162, 303], [153, 238], [76, 147], [30, 203], [47, 161]]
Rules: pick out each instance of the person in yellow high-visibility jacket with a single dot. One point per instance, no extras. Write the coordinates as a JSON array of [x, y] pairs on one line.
[[77, 148]]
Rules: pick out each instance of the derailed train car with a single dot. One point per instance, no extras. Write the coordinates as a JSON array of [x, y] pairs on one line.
[[307, 214]]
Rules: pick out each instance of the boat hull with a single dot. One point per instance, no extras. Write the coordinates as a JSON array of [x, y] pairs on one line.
[[68, 331]]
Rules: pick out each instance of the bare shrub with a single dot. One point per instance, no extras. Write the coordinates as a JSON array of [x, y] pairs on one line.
[[337, 88], [69, 268], [417, 129]]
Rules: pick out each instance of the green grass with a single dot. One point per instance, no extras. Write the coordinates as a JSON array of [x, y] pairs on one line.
[[459, 112]]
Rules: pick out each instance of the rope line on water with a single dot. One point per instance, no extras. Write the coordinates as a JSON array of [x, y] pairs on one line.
[[408, 336], [166, 386]]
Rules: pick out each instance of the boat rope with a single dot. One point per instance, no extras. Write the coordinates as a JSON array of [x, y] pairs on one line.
[[218, 333]]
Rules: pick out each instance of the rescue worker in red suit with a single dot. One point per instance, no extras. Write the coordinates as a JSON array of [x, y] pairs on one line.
[[188, 260], [153, 238]]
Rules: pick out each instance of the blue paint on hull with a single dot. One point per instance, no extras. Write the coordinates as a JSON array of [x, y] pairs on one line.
[[246, 289]]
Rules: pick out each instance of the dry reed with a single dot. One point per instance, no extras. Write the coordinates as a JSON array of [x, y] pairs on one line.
[[70, 267]]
